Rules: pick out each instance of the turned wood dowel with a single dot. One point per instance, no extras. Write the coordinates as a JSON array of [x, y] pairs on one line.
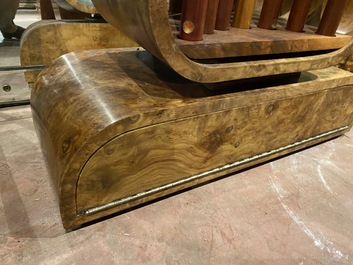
[[269, 14], [193, 19], [298, 14], [211, 16], [331, 17], [175, 6], [224, 12], [243, 12]]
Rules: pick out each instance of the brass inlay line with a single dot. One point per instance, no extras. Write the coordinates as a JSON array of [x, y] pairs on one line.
[[197, 176], [21, 67]]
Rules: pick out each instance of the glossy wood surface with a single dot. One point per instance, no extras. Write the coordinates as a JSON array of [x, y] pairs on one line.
[[147, 22], [118, 128], [44, 41]]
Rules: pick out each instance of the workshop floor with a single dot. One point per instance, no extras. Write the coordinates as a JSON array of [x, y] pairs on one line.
[[294, 210]]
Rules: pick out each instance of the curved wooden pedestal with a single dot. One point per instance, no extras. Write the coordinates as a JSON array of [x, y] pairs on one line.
[[118, 128]]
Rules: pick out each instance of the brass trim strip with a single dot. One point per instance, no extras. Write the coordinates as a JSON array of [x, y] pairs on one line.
[[21, 67], [194, 177]]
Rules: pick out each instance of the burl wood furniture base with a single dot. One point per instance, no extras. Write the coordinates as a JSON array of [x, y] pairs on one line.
[[118, 128]]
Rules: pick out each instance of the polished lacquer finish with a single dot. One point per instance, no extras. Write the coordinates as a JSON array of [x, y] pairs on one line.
[[119, 129]]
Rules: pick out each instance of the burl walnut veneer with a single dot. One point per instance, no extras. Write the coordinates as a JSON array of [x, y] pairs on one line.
[[119, 128]]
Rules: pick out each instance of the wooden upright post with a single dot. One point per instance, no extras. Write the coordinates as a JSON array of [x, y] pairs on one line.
[[223, 15], [298, 14], [46, 9], [193, 19], [243, 12], [269, 14], [331, 17], [211, 16]]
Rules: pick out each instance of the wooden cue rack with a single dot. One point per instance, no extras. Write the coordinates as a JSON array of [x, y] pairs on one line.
[[122, 127]]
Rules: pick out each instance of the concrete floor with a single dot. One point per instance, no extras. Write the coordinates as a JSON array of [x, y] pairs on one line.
[[294, 210]]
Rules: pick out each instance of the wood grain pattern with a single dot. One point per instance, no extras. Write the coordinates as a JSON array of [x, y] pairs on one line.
[[44, 41], [147, 23], [113, 123]]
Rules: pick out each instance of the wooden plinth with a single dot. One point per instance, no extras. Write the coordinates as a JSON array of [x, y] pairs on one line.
[[118, 128]]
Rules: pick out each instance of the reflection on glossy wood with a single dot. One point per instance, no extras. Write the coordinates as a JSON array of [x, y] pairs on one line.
[[119, 129]]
